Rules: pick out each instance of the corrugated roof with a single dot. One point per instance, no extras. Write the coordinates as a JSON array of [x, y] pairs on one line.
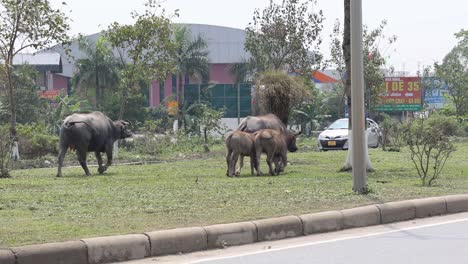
[[225, 45], [48, 58]]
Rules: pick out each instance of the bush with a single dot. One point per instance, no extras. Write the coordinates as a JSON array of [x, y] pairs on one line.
[[392, 138], [429, 143], [35, 140]]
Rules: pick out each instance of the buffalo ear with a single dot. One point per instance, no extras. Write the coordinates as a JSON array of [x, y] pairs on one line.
[[126, 123], [298, 133]]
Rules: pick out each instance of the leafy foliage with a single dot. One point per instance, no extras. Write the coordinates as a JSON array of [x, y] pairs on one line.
[[279, 93], [35, 141], [429, 142], [145, 50], [26, 24], [392, 137], [4, 153], [97, 70], [374, 58], [30, 106], [285, 37], [454, 72]]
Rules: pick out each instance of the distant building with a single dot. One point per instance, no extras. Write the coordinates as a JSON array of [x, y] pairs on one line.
[[49, 65]]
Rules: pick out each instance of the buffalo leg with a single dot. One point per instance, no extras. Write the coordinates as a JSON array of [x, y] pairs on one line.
[[109, 156], [241, 164], [62, 152], [81, 154], [257, 159], [269, 160], [101, 168], [234, 158], [228, 162]]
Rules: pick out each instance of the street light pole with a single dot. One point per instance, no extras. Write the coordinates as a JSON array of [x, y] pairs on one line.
[[357, 101]]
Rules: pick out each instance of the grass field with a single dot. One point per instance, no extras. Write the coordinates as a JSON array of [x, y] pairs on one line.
[[37, 207]]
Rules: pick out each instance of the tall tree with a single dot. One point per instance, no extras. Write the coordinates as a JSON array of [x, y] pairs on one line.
[[285, 37], [26, 24], [145, 49], [454, 72], [191, 60], [97, 70], [373, 62]]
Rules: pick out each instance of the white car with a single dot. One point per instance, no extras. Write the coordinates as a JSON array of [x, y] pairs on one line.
[[336, 135]]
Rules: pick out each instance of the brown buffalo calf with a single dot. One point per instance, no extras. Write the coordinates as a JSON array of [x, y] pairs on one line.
[[240, 144], [273, 143]]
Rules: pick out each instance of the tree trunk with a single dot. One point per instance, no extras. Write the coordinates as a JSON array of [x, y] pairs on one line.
[[12, 100], [347, 166]]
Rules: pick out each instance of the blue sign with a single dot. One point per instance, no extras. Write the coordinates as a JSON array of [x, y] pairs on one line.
[[435, 93]]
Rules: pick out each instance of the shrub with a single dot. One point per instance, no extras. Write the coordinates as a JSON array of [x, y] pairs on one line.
[[392, 138], [429, 142], [35, 140]]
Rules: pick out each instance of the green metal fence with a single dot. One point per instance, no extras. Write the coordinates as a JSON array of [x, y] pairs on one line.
[[234, 99]]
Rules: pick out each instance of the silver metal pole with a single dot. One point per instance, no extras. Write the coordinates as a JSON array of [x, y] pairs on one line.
[[357, 100]]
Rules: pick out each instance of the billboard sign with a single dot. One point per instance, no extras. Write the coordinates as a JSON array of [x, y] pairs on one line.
[[435, 92], [401, 94]]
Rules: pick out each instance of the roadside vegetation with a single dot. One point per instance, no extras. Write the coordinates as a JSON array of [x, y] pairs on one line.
[[192, 190]]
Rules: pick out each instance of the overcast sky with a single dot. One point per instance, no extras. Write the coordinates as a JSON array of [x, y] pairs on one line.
[[425, 28]]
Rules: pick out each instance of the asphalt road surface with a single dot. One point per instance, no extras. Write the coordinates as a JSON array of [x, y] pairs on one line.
[[433, 240]]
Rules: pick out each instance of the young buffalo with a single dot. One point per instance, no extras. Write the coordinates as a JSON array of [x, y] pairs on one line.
[[240, 144], [273, 143]]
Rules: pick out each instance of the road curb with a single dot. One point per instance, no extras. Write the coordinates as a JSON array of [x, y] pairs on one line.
[[117, 248], [224, 235], [322, 222], [182, 240], [7, 256], [361, 216], [457, 203], [71, 252], [396, 211], [278, 228]]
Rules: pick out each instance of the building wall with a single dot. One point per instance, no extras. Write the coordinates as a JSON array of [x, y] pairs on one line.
[[60, 82], [219, 73]]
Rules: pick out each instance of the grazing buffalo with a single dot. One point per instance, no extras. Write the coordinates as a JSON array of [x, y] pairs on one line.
[[90, 132], [255, 123], [240, 144], [273, 143]]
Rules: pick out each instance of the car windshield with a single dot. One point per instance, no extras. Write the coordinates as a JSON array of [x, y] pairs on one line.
[[339, 124]]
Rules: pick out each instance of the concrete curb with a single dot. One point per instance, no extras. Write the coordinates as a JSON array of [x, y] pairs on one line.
[[117, 248], [457, 203], [322, 222], [224, 235], [361, 216], [128, 247], [397, 211], [7, 256], [181, 240], [72, 252], [278, 228]]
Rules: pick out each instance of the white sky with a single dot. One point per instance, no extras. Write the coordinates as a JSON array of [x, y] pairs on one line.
[[425, 28]]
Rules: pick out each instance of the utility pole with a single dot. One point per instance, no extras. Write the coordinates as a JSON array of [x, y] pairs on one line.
[[357, 101]]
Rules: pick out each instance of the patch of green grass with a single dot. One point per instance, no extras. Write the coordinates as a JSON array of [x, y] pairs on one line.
[[37, 207]]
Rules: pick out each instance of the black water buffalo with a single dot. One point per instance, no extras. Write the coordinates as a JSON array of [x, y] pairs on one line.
[[240, 144], [90, 132], [255, 123], [273, 143]]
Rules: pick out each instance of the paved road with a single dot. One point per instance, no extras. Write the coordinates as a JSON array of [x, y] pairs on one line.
[[435, 240]]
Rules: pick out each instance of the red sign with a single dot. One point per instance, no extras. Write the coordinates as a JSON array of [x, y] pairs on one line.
[[401, 94], [50, 94]]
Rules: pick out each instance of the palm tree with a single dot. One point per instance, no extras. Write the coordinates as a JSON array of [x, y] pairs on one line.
[[191, 59], [98, 69]]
